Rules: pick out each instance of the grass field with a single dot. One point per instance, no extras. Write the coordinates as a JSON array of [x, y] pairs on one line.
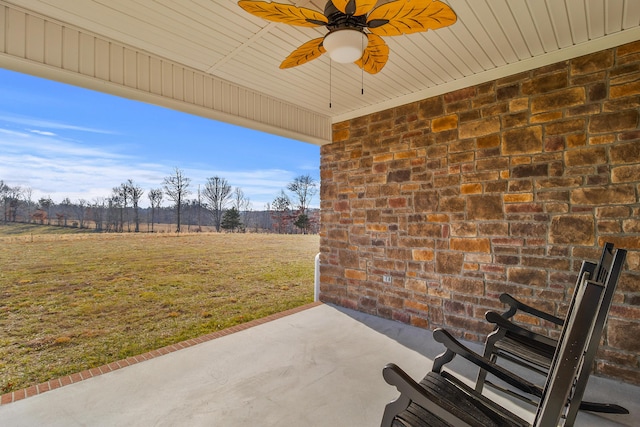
[[70, 302]]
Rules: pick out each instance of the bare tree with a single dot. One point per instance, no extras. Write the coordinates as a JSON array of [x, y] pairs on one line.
[[281, 212], [65, 207], [114, 207], [114, 212], [217, 191], [155, 198], [46, 204], [304, 187], [97, 209], [122, 195], [11, 197], [27, 194], [135, 192], [242, 205], [81, 209], [176, 186], [4, 191]]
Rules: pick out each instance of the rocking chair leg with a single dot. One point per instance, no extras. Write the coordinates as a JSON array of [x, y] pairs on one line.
[[605, 408]]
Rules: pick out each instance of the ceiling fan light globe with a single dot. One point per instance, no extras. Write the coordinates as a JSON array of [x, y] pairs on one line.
[[345, 45]]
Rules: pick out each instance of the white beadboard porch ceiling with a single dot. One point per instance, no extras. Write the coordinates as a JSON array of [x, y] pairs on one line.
[[491, 39]]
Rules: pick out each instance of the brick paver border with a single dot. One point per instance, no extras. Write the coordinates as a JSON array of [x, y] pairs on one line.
[[89, 373]]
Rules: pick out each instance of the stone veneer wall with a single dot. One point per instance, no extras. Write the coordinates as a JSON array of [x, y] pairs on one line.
[[502, 187]]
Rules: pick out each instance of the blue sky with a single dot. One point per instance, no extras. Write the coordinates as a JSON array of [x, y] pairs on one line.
[[65, 141]]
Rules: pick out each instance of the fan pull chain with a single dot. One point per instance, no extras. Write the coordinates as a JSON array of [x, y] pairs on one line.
[[362, 69], [330, 68]]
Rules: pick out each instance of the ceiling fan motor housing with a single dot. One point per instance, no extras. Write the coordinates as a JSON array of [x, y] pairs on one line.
[[339, 20]]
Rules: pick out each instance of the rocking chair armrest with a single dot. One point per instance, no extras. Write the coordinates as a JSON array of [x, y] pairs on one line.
[[411, 391], [455, 347], [515, 305], [501, 322]]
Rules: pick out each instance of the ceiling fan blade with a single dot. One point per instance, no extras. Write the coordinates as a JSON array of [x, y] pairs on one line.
[[375, 56], [354, 7], [305, 53], [409, 16], [284, 13]]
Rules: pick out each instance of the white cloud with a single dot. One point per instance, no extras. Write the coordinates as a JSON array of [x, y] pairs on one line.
[[42, 132], [48, 124], [57, 168]]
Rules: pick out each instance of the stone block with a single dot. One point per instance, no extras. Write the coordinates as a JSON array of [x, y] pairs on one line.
[[624, 334], [494, 109], [463, 285], [474, 188], [340, 135], [558, 100], [464, 229], [585, 156], [528, 229], [460, 95], [572, 230], [493, 163], [522, 141], [554, 143], [441, 124], [565, 126], [527, 171], [631, 226], [449, 262], [613, 212], [626, 174], [426, 201], [403, 175], [592, 63], [425, 229], [576, 140], [508, 92], [431, 107], [467, 244], [546, 117], [422, 255], [624, 90], [527, 276], [446, 181], [518, 198], [489, 141], [621, 104], [397, 202], [355, 274], [438, 218], [484, 207], [469, 116], [614, 122], [519, 104], [479, 128], [452, 204], [597, 92], [628, 152], [416, 285], [614, 194], [493, 228], [545, 83]]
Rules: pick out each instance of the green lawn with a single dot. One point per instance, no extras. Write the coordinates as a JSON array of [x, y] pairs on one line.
[[73, 302]]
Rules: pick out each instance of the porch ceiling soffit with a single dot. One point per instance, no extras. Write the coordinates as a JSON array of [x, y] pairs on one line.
[[43, 47]]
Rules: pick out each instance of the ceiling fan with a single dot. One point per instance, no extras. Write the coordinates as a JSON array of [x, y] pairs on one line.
[[355, 27]]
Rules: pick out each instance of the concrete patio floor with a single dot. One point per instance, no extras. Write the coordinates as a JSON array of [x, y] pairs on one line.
[[318, 367]]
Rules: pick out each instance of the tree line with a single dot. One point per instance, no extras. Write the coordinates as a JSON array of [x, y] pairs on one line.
[[216, 204]]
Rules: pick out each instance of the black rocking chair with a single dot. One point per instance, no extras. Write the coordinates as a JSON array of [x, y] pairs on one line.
[[535, 351], [441, 399]]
